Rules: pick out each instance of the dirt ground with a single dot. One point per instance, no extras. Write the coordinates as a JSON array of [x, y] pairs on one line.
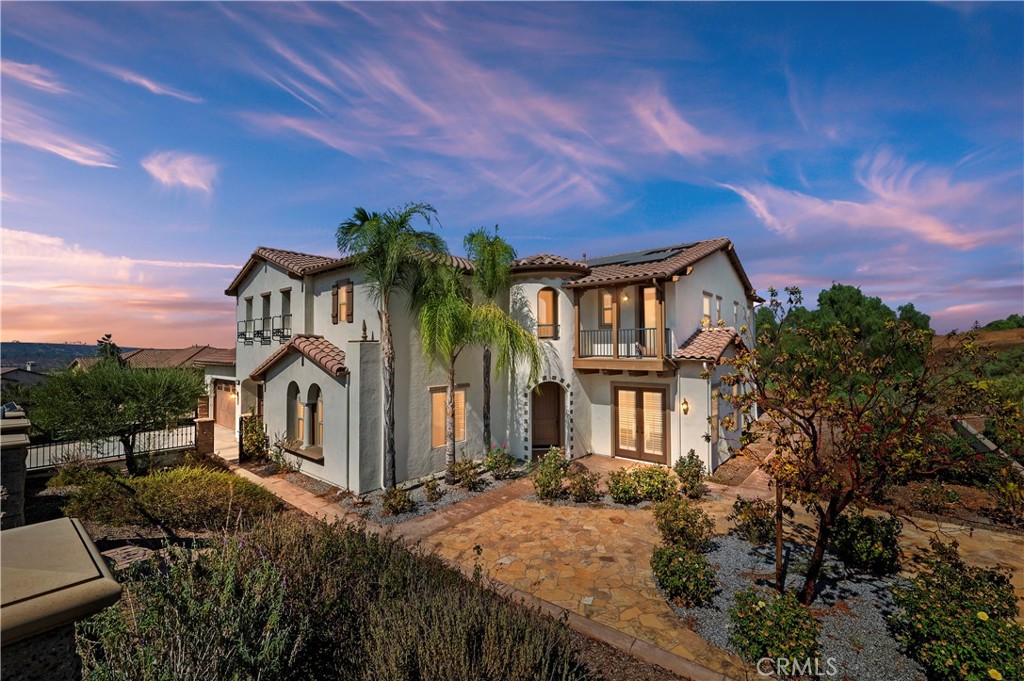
[[974, 508], [734, 471]]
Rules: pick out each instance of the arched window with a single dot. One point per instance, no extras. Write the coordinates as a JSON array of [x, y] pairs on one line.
[[296, 414], [316, 405], [547, 313]]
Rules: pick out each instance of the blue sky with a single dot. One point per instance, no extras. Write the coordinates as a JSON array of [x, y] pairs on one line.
[[148, 148]]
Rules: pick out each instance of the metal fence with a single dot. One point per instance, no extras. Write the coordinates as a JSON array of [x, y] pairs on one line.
[[49, 454]]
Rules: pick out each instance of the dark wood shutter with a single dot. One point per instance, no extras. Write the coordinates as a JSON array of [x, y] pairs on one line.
[[349, 299], [334, 304]]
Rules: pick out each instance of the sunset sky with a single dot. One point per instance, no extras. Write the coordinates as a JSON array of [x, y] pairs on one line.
[[148, 148]]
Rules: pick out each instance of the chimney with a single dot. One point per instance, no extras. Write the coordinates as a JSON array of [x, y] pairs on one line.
[[30, 366]]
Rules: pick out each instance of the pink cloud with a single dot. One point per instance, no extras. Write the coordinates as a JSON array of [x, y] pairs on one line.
[[673, 132], [177, 168], [22, 125], [149, 84], [32, 75]]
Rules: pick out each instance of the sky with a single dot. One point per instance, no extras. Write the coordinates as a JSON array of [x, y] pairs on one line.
[[149, 148]]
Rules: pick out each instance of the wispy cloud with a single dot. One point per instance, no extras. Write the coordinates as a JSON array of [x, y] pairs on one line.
[[177, 168], [149, 84], [32, 75], [23, 125], [914, 200], [673, 132], [56, 290]]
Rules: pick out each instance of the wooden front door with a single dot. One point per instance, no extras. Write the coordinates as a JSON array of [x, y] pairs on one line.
[[224, 404], [547, 417], [640, 424]]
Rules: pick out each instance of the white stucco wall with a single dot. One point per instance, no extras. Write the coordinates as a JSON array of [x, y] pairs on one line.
[[716, 275]]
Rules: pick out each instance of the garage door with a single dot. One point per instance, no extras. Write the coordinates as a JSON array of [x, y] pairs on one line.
[[224, 404]]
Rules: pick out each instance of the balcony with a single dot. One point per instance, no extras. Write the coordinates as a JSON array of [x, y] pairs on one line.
[[547, 331], [262, 330], [246, 332], [282, 328], [265, 330], [619, 343]]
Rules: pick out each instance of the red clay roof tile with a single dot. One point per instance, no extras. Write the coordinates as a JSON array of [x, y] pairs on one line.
[[708, 344], [322, 352]]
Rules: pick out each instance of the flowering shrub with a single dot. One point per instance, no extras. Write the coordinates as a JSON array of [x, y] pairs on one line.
[[549, 473], [581, 483], [867, 543], [686, 577], [466, 474], [690, 471], [641, 483], [397, 501], [500, 463], [1008, 487], [957, 621], [683, 523], [754, 519], [765, 624]]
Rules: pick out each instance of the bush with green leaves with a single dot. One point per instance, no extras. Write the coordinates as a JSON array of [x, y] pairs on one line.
[[958, 621], [1008, 488], [682, 522], [691, 473], [867, 543], [293, 599], [188, 498], [432, 490], [466, 473], [641, 483], [754, 519], [549, 473], [582, 484], [766, 624], [686, 577], [396, 501], [500, 463], [933, 497], [255, 443]]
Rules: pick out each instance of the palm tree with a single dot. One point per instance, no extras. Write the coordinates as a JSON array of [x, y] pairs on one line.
[[450, 322], [492, 257], [393, 257]]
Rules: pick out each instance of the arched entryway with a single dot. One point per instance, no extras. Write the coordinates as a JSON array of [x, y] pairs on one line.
[[547, 427]]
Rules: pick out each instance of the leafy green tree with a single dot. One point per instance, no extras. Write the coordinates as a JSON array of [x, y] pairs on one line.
[[394, 258], [1014, 321], [450, 322], [108, 351], [847, 414], [492, 257], [110, 400]]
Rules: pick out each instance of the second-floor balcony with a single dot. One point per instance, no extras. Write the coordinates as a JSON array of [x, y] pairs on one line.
[[265, 330], [621, 328]]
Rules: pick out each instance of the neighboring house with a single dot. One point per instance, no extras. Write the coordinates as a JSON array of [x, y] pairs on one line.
[[160, 358], [21, 376], [631, 345]]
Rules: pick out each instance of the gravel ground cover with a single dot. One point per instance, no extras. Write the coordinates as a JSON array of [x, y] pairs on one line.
[[370, 507], [851, 608]]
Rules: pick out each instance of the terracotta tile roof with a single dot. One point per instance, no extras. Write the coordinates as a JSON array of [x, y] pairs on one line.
[[657, 263], [160, 358], [546, 261], [320, 351], [708, 344], [215, 357]]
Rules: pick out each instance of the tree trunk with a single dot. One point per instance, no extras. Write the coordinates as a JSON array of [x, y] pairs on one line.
[[449, 418], [388, 371], [487, 400], [779, 585], [826, 521], [130, 462]]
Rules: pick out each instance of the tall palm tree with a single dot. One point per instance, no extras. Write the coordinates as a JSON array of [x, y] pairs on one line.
[[393, 256], [492, 276], [450, 322]]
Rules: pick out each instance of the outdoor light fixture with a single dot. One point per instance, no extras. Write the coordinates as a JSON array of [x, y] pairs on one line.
[[625, 297], [685, 406]]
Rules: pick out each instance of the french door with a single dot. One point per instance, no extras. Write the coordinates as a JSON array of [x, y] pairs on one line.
[[640, 424]]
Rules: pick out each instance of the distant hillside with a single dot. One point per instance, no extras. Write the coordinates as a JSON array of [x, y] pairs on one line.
[[1002, 339], [47, 356]]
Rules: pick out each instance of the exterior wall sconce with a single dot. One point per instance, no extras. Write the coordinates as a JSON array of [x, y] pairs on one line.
[[625, 297], [685, 406]]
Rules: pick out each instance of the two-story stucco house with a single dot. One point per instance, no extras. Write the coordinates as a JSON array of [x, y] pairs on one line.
[[631, 345]]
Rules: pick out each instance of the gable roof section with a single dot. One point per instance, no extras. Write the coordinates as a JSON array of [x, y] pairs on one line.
[[294, 263], [658, 263], [163, 358], [546, 261], [214, 357], [320, 351], [708, 344]]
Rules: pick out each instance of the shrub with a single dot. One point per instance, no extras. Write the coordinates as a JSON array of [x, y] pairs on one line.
[[681, 522], [255, 443], [641, 483], [754, 520], [690, 471], [765, 624], [934, 498], [500, 463], [866, 543], [293, 599], [686, 577], [466, 473], [581, 483], [957, 621], [432, 490], [189, 498], [76, 472], [1008, 488], [549, 473], [396, 501]]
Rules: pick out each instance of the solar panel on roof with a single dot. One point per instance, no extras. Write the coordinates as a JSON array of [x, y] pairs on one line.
[[638, 257]]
